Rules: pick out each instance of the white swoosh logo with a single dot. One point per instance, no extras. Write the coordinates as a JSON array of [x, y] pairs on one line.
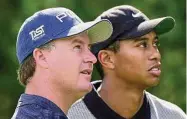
[[136, 15]]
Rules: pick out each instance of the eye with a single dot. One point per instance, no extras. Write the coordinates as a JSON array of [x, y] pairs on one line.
[[89, 46], [143, 44], [156, 44], [77, 48]]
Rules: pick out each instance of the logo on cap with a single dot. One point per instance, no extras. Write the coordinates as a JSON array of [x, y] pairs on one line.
[[135, 15], [61, 16], [38, 33]]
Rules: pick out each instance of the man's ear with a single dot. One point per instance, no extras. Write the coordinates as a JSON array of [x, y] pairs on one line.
[[40, 57], [106, 58]]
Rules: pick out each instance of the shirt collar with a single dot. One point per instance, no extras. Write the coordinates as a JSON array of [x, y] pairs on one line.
[[102, 111]]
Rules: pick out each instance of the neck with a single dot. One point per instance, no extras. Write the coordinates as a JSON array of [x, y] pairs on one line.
[[42, 86], [123, 99]]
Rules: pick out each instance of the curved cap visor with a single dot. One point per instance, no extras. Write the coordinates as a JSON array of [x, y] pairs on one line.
[[98, 30], [159, 25]]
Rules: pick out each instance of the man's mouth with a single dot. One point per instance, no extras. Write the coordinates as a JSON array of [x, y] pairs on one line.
[[155, 70], [86, 71]]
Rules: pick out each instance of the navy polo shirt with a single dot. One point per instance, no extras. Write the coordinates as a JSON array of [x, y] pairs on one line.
[[102, 111], [37, 107]]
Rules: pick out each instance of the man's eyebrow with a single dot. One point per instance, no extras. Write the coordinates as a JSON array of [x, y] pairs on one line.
[[77, 41], [140, 39], [144, 39]]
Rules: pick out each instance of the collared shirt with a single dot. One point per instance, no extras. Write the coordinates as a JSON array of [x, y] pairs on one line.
[[93, 107], [37, 107], [102, 111]]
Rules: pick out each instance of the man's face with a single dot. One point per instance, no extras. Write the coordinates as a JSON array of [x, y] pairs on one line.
[[71, 64], [138, 61]]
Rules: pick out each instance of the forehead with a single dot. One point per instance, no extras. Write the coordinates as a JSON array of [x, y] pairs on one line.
[[79, 38], [150, 36]]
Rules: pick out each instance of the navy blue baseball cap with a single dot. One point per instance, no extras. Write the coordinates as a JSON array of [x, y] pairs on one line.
[[129, 22], [54, 23]]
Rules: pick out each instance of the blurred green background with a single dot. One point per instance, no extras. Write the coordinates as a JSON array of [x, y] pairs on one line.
[[173, 45]]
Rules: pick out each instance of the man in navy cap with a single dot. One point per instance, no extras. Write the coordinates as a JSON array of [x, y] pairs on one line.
[[53, 50], [129, 62]]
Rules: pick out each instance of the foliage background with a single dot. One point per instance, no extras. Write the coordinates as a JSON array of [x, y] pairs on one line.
[[173, 45]]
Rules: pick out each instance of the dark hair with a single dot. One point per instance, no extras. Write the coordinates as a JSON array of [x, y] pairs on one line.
[[114, 48], [27, 68]]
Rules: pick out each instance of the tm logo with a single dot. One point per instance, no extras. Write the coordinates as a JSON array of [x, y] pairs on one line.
[[39, 32]]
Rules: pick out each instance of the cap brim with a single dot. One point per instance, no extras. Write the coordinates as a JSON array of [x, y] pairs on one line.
[[159, 25], [164, 25], [98, 30]]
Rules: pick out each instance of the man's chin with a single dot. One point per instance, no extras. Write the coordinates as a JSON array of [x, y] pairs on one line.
[[87, 88], [153, 83], [83, 90]]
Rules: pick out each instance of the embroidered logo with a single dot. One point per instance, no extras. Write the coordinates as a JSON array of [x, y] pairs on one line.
[[38, 33], [60, 17], [136, 14]]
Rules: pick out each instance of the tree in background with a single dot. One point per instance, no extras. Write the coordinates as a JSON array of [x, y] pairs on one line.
[[173, 45]]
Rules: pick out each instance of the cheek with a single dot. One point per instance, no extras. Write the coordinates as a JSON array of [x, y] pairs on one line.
[[130, 62], [66, 65], [66, 70]]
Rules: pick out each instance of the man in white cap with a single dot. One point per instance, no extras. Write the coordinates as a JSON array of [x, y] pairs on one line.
[[53, 49]]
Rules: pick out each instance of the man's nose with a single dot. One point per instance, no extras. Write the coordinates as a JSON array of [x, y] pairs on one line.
[[155, 54], [90, 57]]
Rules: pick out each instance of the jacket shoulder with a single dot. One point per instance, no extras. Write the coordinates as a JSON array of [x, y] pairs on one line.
[[79, 111], [164, 109], [26, 112]]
